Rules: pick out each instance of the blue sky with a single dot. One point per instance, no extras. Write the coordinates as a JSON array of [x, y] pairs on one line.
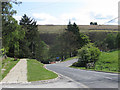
[[59, 12]]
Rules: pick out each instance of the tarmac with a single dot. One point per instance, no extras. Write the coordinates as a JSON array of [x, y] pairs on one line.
[[17, 78]]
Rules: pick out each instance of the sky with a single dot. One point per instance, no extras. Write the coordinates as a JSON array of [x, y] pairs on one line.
[[59, 12]]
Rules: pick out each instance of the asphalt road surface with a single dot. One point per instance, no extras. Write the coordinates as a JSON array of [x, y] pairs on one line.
[[59, 82], [91, 79]]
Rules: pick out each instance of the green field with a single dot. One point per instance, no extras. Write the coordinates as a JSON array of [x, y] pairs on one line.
[[108, 62], [7, 65], [37, 72]]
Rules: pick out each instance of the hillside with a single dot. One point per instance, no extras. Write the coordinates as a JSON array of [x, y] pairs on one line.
[[83, 28]]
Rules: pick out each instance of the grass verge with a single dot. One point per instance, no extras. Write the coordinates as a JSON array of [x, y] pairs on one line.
[[0, 68], [108, 62], [7, 65], [37, 72]]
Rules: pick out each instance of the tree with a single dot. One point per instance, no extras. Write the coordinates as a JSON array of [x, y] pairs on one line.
[[110, 40], [93, 23], [75, 30], [83, 40], [63, 46], [118, 41], [58, 49], [41, 53], [87, 54], [11, 31], [67, 45], [80, 38], [31, 33], [72, 28]]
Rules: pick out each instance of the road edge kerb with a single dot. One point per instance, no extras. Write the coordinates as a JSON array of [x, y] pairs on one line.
[[54, 72], [67, 78]]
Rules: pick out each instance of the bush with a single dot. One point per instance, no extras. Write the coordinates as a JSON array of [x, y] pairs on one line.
[[107, 42], [79, 64], [75, 64], [88, 54], [45, 61], [110, 40]]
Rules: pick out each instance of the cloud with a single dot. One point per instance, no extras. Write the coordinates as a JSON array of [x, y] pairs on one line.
[[44, 18], [100, 11], [18, 18], [59, 1], [80, 18], [61, 19]]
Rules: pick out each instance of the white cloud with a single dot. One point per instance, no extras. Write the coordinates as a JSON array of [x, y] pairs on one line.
[[104, 8], [60, 1], [18, 18], [107, 9], [92, 11], [44, 18], [81, 17]]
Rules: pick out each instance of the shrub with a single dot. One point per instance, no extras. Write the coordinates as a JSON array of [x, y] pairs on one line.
[[88, 54], [110, 40], [45, 61], [75, 64]]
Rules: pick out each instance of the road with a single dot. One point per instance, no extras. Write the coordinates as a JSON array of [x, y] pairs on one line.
[[91, 79], [15, 80]]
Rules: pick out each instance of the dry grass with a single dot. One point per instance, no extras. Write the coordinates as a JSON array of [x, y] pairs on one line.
[[83, 28]]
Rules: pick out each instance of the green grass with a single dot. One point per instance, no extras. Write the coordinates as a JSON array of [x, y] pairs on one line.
[[69, 59], [8, 64], [0, 68], [37, 72], [108, 62]]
